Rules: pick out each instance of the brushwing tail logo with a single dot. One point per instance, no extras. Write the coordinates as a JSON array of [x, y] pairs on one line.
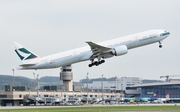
[[154, 95], [24, 54]]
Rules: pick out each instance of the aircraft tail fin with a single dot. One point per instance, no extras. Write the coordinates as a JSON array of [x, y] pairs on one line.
[[23, 53], [167, 96], [155, 94]]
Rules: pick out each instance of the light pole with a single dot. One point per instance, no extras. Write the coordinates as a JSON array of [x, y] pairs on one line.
[[102, 86], [87, 84], [34, 80], [87, 87], [37, 82], [115, 86], [13, 77], [118, 89], [37, 85], [61, 90]]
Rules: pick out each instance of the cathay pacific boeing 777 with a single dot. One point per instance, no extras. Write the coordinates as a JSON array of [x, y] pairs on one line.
[[95, 52]]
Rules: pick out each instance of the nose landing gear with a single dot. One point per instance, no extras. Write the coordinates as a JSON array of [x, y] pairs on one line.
[[160, 46]]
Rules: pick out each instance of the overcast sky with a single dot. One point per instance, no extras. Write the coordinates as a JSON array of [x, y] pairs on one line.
[[50, 26]]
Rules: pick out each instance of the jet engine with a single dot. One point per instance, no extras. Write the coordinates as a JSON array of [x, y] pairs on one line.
[[120, 50]]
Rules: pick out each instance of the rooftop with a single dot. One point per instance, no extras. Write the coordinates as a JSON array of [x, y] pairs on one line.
[[155, 84]]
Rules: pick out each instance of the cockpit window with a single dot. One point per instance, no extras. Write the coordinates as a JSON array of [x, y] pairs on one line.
[[165, 33]]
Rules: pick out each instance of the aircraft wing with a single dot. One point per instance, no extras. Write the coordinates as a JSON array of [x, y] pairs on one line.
[[98, 50]]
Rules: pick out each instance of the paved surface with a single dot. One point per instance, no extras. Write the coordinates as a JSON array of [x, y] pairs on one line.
[[176, 104]]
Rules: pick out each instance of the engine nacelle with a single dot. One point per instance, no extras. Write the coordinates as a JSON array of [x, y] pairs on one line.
[[120, 50]]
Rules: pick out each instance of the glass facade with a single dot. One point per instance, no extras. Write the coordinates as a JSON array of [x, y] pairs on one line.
[[162, 91]]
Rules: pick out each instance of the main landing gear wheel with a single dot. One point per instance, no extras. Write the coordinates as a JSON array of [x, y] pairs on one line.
[[96, 63], [90, 65]]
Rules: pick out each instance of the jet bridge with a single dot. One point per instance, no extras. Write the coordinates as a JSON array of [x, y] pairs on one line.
[[67, 76]]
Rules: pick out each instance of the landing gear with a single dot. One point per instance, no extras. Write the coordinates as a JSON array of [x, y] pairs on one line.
[[90, 65], [96, 63], [160, 46]]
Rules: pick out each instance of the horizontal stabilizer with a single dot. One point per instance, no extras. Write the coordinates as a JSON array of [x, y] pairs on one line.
[[27, 65]]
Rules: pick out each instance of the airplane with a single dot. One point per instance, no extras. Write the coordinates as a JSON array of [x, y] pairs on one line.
[[128, 100], [149, 99], [162, 100], [95, 52], [141, 99]]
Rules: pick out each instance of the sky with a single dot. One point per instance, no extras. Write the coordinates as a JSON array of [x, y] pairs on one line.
[[51, 26]]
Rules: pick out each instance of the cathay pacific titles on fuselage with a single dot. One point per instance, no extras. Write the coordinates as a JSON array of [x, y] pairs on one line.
[[95, 52]]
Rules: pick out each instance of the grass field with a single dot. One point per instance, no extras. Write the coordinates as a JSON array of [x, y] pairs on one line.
[[93, 109]]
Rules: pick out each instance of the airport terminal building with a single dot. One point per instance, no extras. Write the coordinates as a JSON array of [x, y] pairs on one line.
[[51, 95], [119, 84], [147, 90], [14, 96]]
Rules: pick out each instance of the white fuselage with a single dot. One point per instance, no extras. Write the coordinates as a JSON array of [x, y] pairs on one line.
[[84, 53]]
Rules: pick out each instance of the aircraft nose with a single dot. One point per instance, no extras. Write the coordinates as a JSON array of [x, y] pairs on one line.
[[168, 32], [165, 34]]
